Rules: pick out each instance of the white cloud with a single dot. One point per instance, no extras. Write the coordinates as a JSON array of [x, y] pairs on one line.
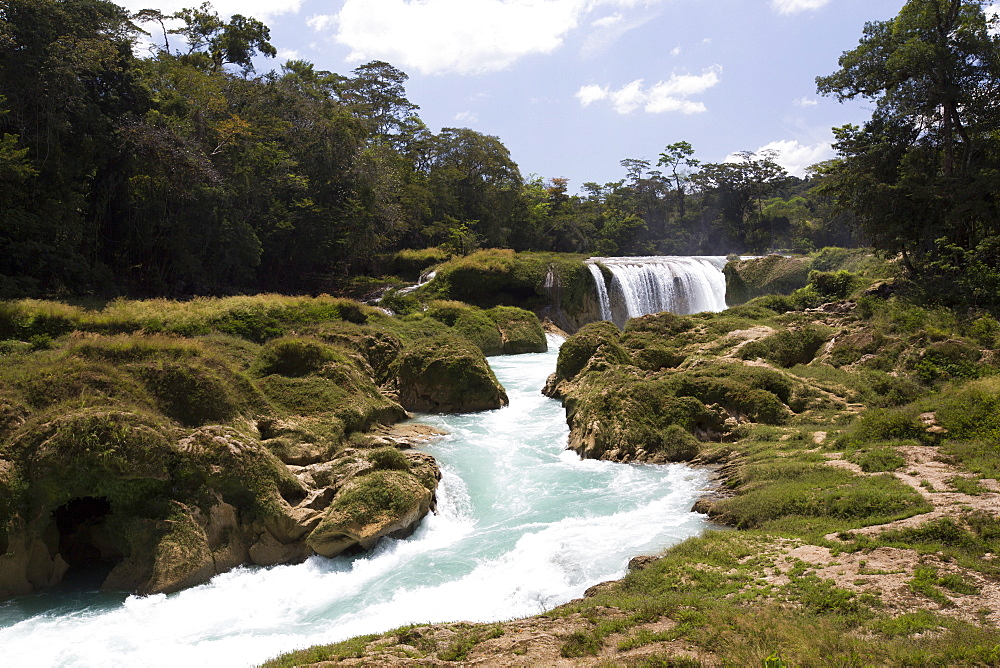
[[607, 21], [676, 51], [661, 97], [795, 6], [287, 54], [806, 101], [590, 94], [466, 117], [793, 156], [321, 22], [260, 9], [464, 36]]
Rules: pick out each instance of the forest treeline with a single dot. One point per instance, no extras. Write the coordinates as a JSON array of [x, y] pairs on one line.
[[183, 171], [186, 172]]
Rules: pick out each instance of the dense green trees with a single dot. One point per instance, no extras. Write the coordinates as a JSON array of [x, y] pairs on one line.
[[921, 174], [185, 172]]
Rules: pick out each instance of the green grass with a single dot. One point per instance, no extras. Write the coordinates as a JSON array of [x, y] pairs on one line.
[[878, 459]]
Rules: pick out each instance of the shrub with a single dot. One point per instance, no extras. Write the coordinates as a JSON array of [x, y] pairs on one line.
[[885, 424], [878, 460], [388, 459], [985, 331], [834, 284], [949, 359], [971, 411], [400, 303], [788, 347], [294, 357]]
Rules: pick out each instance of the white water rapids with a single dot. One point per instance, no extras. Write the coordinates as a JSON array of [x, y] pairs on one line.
[[522, 525]]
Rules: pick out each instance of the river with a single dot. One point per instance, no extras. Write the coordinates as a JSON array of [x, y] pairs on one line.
[[522, 525]]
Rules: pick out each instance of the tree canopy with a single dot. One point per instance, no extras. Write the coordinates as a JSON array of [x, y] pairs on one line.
[[921, 174], [186, 172]]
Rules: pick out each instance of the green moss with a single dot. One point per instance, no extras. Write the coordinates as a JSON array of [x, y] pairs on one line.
[[595, 337], [295, 356], [521, 330], [662, 324], [388, 459], [773, 274], [409, 263], [470, 323], [652, 352], [369, 498], [447, 374], [788, 347]]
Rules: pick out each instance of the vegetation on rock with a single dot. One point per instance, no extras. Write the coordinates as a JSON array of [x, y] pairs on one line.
[[182, 440]]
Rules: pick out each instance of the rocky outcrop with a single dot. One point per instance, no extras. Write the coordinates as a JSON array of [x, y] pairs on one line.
[[768, 275], [445, 374], [643, 396], [228, 502], [520, 330]]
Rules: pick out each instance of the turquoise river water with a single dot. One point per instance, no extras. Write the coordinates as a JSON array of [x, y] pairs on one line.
[[522, 525]]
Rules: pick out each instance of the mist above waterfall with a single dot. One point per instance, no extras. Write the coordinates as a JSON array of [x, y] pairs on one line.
[[641, 285]]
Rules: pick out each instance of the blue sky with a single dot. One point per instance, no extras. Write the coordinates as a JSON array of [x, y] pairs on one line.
[[574, 86]]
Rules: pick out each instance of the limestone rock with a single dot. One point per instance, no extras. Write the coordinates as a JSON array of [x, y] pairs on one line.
[[445, 374]]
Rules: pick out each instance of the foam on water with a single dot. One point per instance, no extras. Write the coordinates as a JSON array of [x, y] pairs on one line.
[[522, 525]]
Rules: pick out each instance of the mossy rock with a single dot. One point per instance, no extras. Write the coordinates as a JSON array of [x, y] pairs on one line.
[[237, 466], [616, 415], [469, 322], [446, 374], [788, 347], [496, 277], [521, 330], [664, 324], [295, 356], [369, 507], [773, 274], [379, 348], [123, 456], [576, 352], [651, 351]]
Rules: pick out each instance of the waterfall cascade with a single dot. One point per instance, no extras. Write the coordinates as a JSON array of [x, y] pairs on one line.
[[641, 285]]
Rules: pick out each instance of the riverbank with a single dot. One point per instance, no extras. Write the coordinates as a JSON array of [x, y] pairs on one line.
[[859, 440]]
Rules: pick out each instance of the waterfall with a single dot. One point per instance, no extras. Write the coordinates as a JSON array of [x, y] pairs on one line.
[[642, 285], [602, 291]]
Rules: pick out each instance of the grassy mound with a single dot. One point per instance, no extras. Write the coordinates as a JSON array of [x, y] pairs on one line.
[[447, 374]]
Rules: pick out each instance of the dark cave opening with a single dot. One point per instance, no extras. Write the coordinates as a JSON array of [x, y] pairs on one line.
[[84, 541]]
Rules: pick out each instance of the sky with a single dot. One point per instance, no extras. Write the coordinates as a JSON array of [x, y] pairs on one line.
[[572, 87]]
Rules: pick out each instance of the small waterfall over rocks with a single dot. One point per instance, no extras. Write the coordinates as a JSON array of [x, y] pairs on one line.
[[629, 287]]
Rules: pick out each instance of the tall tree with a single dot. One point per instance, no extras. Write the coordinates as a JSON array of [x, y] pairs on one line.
[[921, 173], [677, 156]]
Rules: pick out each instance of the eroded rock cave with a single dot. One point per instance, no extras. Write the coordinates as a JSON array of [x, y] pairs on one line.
[[84, 541]]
